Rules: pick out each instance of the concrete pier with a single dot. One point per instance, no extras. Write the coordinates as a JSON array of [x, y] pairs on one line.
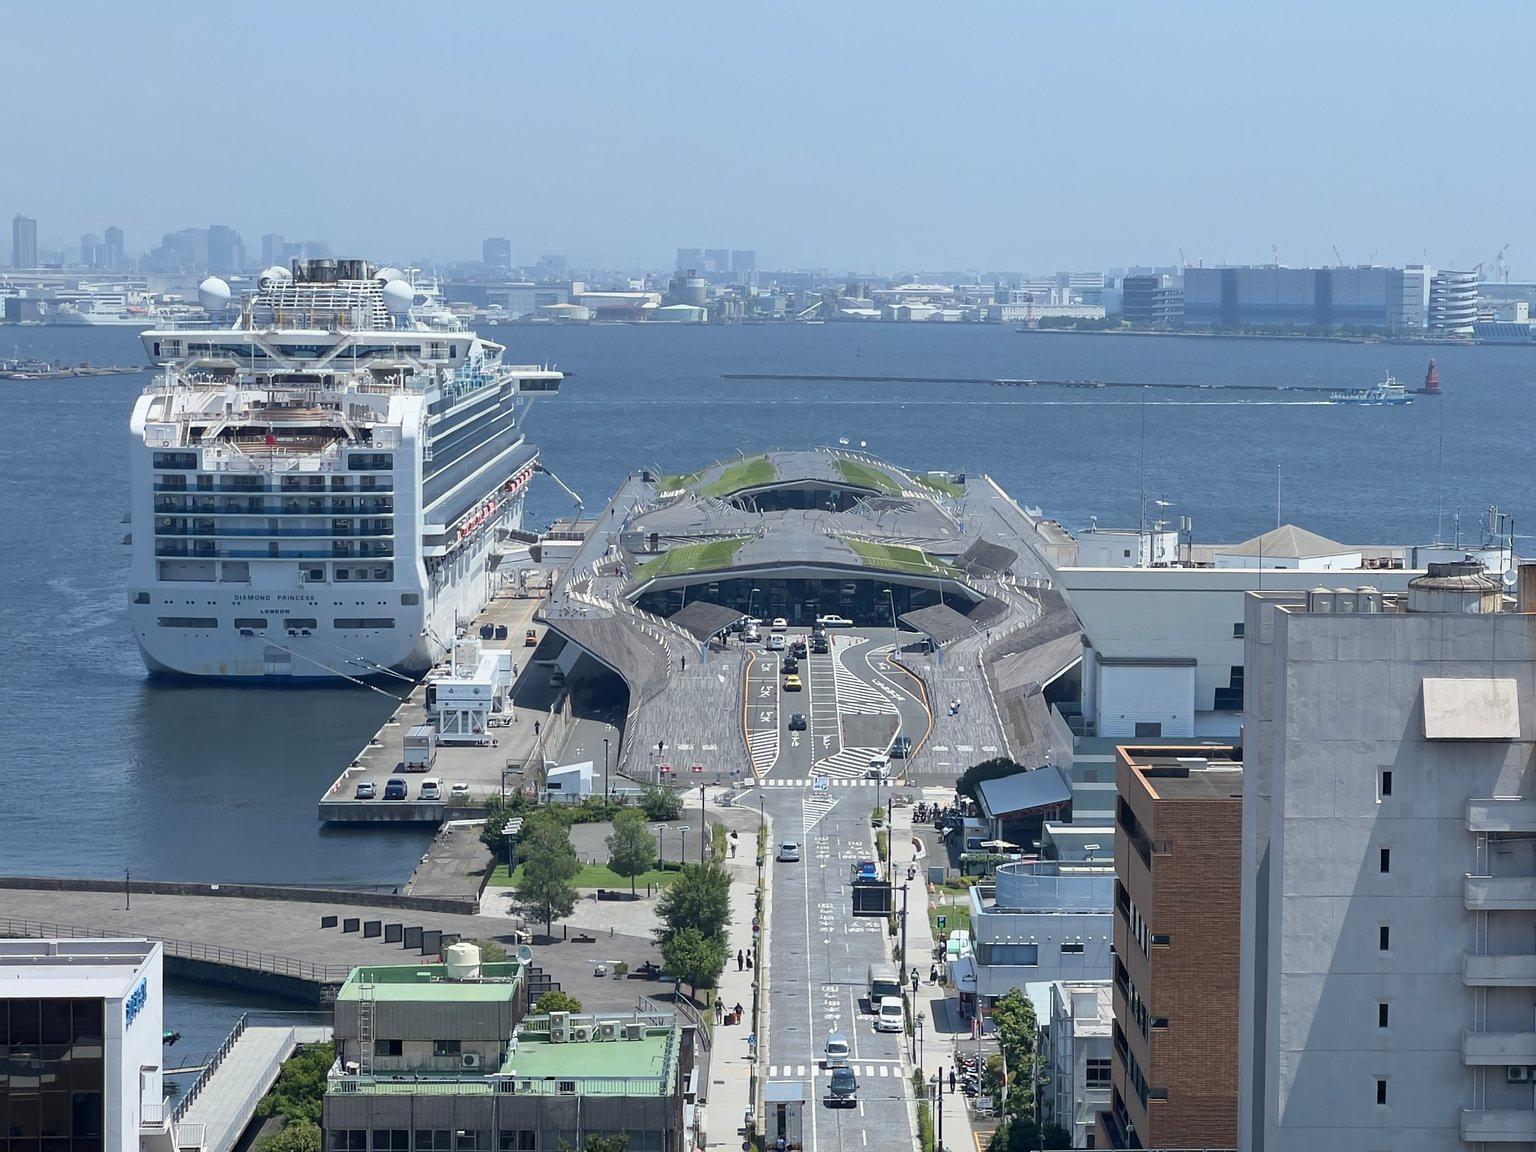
[[222, 1101]]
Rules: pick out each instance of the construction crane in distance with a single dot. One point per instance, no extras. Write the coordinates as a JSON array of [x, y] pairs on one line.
[[1499, 270], [1337, 258]]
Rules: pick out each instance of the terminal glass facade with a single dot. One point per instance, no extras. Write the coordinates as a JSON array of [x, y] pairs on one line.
[[800, 601], [52, 1075]]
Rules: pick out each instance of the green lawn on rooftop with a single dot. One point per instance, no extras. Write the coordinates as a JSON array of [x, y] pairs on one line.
[[867, 476], [897, 558], [692, 558], [678, 480], [741, 474], [590, 876], [939, 484]]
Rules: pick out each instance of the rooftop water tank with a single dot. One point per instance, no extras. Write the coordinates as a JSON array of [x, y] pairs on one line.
[[462, 961], [1464, 587]]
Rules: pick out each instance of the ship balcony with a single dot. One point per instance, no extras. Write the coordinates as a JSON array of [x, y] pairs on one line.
[[207, 550], [273, 534], [1489, 1048], [1498, 1125], [1501, 814], [234, 506], [1500, 893], [1517, 970]]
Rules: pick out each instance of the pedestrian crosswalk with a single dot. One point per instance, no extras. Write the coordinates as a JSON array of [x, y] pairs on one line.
[[808, 781], [863, 1071], [849, 763]]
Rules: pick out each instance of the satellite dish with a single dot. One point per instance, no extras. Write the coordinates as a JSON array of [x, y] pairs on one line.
[[213, 294], [1511, 578], [525, 954]]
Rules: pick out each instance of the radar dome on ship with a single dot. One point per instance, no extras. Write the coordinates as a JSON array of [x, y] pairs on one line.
[[385, 275], [276, 274], [213, 294], [399, 296]]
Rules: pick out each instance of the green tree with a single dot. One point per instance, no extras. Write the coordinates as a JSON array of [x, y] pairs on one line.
[[700, 899], [695, 957], [544, 890], [976, 774], [659, 804], [494, 833], [556, 1001], [299, 1091], [607, 1142], [1014, 1015], [295, 1136], [719, 843], [631, 846]]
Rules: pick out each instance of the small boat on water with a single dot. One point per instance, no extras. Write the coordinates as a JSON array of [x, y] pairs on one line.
[[1389, 391]]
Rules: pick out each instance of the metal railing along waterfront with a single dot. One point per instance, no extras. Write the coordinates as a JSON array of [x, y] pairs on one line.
[[189, 950], [184, 1101]]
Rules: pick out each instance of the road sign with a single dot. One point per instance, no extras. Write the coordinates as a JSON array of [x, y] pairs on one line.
[[820, 784]]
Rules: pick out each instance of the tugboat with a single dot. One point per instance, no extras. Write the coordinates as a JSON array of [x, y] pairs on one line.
[[1389, 391]]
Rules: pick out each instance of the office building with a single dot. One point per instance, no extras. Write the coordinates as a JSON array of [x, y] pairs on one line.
[[1411, 304], [93, 253], [273, 250], [716, 260], [689, 259], [437, 1057], [1274, 296], [496, 255], [116, 256], [1389, 904], [1078, 1060], [744, 260], [1178, 852], [226, 252], [1453, 303], [1152, 302], [82, 1047], [1037, 922], [23, 242]]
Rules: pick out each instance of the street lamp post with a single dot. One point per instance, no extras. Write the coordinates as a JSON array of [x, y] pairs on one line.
[[682, 845], [938, 1106], [891, 598], [607, 794], [917, 1041], [904, 957], [702, 837], [127, 890], [661, 845]]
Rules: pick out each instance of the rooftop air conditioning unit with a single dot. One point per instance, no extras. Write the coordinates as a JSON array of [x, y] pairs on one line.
[[608, 1030], [634, 1031], [471, 1059], [581, 1033], [1517, 1073], [559, 1027]]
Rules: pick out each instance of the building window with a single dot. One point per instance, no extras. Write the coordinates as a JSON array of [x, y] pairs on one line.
[[472, 1141], [1074, 948], [1026, 955], [349, 1140], [410, 599], [391, 1140], [1386, 861], [447, 1047], [523, 1140], [1096, 1073], [1148, 731], [1382, 1011], [387, 1048], [434, 1140], [1384, 938], [1386, 781], [1381, 1090], [1237, 630]]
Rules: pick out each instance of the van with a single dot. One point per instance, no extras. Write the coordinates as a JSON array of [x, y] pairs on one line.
[[879, 768], [431, 789], [890, 1016], [884, 982]]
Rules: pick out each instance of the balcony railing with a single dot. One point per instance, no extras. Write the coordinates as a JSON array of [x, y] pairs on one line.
[[277, 533], [1517, 1125], [1501, 814], [1517, 970], [1500, 893], [1498, 1047]]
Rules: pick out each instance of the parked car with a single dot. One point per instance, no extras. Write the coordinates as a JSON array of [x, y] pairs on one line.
[[431, 789], [890, 1016], [789, 852], [779, 624], [531, 638], [394, 789], [792, 683], [833, 621], [459, 791], [843, 1089], [797, 722], [365, 790], [901, 748]]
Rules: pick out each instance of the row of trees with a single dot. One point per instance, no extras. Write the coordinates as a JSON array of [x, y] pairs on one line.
[[1017, 1032], [695, 914]]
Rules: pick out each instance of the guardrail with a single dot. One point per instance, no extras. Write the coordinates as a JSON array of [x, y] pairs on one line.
[[190, 950], [185, 1100]]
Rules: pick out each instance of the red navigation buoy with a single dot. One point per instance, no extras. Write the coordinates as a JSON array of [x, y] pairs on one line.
[[1431, 381]]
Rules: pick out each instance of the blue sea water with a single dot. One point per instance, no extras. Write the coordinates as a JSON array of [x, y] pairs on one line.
[[106, 769]]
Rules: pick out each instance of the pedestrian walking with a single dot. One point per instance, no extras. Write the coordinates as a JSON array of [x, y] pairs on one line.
[[535, 727], [682, 663], [739, 1011], [749, 959], [951, 1081], [933, 973], [752, 1045], [741, 960]]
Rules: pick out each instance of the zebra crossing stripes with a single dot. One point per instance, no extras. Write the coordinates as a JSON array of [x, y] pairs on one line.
[[814, 810], [807, 781], [863, 1071], [849, 763], [763, 750]]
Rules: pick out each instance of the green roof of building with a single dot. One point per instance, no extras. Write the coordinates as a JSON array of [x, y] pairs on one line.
[[600, 1067], [429, 983]]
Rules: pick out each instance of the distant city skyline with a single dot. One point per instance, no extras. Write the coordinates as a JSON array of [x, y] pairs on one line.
[[1002, 136]]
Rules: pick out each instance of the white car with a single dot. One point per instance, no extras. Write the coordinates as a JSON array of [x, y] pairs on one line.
[[459, 791], [789, 852], [776, 642], [889, 1016], [834, 621], [431, 789], [779, 624], [879, 768]]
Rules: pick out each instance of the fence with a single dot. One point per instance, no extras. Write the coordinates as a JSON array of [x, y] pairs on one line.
[[193, 1089]]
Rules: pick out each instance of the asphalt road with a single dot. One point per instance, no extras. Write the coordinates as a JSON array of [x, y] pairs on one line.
[[819, 962]]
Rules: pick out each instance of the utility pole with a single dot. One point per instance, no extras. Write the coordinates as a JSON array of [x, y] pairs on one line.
[[702, 837], [607, 795], [904, 957], [127, 890]]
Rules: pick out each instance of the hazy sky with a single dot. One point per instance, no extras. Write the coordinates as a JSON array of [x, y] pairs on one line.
[[876, 136]]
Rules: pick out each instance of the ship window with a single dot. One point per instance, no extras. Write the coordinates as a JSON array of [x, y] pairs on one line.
[[343, 573], [358, 623], [315, 576], [141, 597], [250, 622], [185, 461], [188, 622], [410, 599], [294, 623]]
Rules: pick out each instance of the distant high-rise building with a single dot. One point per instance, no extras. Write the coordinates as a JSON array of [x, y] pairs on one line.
[[91, 255], [273, 250], [23, 242], [113, 243], [226, 252], [496, 255], [744, 260], [690, 259], [1453, 302], [716, 260], [1152, 302]]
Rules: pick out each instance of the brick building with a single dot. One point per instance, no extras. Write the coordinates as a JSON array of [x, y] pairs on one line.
[[1178, 855]]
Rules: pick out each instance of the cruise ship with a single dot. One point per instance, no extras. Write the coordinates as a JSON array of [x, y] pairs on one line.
[[322, 474]]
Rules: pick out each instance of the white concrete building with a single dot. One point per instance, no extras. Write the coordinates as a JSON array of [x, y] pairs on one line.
[[1082, 1014], [82, 1063], [1388, 928], [1289, 547]]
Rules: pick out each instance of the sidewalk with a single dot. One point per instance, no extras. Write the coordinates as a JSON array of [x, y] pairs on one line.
[[943, 1025], [730, 1092]]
